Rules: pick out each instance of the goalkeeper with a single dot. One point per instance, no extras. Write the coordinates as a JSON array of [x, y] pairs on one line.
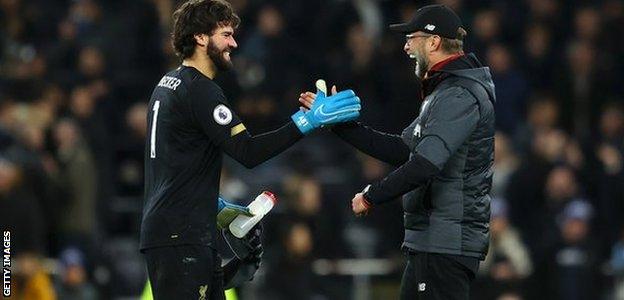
[[191, 126]]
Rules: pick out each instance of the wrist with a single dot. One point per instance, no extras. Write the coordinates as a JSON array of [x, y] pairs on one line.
[[366, 200], [302, 122]]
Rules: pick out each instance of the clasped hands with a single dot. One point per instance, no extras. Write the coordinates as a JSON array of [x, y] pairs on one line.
[[327, 110], [359, 204]]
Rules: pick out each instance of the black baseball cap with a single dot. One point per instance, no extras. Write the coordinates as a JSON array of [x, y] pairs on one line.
[[435, 19]]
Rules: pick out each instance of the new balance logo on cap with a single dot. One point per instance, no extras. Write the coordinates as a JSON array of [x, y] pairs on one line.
[[430, 27]]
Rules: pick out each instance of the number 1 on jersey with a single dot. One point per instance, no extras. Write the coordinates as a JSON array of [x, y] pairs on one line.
[[153, 133]]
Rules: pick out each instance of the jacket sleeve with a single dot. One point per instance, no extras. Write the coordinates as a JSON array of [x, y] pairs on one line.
[[448, 123], [386, 147], [413, 173]]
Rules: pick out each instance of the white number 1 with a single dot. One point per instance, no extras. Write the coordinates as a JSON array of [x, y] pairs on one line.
[[153, 134]]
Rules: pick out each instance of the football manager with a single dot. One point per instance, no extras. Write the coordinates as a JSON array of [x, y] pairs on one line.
[[444, 160]]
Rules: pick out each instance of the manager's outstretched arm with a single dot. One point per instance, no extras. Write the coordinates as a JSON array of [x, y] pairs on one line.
[[386, 147]]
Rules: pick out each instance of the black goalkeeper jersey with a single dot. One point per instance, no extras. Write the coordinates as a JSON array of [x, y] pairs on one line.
[[190, 126]]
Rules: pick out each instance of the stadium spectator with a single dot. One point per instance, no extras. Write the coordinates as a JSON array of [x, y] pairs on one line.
[[74, 284], [511, 88], [570, 270], [77, 176], [506, 163], [508, 261], [21, 213], [31, 281]]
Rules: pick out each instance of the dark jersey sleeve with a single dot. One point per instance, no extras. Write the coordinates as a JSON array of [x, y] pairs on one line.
[[221, 124], [211, 111], [386, 147], [251, 151]]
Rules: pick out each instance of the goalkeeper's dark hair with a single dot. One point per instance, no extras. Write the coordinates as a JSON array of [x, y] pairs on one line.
[[196, 17]]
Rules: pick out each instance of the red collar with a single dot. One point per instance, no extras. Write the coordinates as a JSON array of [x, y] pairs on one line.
[[439, 65]]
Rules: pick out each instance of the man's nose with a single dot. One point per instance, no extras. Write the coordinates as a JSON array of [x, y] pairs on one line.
[[233, 43], [406, 47]]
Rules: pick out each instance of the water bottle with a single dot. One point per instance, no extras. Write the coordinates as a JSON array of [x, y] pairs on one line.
[[259, 207]]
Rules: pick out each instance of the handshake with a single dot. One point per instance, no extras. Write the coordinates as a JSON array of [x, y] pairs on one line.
[[337, 108]]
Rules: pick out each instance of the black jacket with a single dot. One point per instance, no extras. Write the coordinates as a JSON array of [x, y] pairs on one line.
[[445, 160]]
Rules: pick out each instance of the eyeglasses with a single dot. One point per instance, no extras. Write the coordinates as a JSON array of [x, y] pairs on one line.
[[408, 37]]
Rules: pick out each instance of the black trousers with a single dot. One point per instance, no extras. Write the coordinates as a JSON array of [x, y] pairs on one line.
[[185, 272], [435, 276]]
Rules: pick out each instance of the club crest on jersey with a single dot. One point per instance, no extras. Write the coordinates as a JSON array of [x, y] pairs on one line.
[[222, 114], [417, 131]]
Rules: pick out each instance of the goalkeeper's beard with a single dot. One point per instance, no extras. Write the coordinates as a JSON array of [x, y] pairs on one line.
[[218, 56]]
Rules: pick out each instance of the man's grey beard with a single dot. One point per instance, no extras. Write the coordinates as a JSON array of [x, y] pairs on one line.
[[421, 65]]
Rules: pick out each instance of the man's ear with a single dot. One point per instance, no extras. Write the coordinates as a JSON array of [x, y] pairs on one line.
[[435, 44], [201, 39]]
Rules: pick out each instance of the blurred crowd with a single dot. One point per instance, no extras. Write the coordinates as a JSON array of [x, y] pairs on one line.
[[75, 76]]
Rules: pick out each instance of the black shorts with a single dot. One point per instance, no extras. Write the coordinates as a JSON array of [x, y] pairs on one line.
[[185, 272], [435, 276]]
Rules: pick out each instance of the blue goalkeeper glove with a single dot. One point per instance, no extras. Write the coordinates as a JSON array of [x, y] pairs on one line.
[[341, 107], [227, 212]]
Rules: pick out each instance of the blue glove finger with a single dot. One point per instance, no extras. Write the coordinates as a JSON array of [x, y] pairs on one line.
[[325, 110], [341, 95], [349, 110], [351, 99], [345, 108], [326, 114], [347, 117], [335, 105], [338, 116], [351, 116]]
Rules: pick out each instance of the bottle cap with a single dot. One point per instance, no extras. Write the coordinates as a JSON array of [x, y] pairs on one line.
[[271, 196]]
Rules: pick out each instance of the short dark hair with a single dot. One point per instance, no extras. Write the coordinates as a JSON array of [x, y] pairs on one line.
[[454, 45], [196, 17]]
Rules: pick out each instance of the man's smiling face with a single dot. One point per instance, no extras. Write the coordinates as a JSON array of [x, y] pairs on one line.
[[220, 45]]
